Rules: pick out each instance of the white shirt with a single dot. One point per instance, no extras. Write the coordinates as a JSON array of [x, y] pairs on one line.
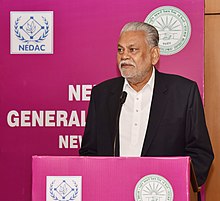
[[134, 118]]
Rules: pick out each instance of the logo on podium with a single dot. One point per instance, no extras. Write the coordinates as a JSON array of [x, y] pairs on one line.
[[64, 188], [153, 188]]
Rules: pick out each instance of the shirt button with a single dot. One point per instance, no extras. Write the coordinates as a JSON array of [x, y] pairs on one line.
[[137, 98], [137, 110], [135, 124]]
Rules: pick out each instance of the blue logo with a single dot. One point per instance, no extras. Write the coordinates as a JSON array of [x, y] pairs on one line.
[[31, 28], [63, 190], [31, 32]]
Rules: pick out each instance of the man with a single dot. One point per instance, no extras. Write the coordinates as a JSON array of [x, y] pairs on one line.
[[162, 114]]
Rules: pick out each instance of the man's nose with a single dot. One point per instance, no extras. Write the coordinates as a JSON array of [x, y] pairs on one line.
[[125, 55]]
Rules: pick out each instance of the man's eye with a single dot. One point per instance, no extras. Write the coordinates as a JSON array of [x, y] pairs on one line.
[[133, 49], [120, 50]]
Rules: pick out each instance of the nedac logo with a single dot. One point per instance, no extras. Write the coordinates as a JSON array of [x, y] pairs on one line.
[[32, 32], [64, 188]]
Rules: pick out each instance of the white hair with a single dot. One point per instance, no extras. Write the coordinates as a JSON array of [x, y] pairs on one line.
[[152, 36]]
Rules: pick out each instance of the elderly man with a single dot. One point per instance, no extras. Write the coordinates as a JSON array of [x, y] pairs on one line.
[[162, 114]]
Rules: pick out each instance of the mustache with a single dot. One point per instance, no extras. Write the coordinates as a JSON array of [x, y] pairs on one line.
[[126, 62]]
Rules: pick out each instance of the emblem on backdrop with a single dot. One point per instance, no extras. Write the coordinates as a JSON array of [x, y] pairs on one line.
[[153, 188], [174, 28], [64, 188], [31, 32]]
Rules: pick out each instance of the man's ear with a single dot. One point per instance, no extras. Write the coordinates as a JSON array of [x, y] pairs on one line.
[[155, 55]]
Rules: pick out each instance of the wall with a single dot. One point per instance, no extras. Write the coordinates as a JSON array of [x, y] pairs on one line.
[[212, 89]]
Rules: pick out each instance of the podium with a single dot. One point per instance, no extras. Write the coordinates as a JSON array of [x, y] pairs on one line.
[[110, 178]]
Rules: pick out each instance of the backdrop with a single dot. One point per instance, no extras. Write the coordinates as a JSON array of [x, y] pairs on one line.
[[50, 60]]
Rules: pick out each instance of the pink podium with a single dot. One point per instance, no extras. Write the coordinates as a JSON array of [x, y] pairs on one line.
[[110, 178]]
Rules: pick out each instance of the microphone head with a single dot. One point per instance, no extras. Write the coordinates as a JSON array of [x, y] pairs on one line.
[[123, 97]]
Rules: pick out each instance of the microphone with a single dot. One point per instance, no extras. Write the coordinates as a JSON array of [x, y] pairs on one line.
[[123, 98], [116, 139]]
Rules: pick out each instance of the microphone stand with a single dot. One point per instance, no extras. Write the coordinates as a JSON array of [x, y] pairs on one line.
[[116, 139]]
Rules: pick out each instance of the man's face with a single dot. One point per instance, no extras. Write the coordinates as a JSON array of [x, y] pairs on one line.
[[135, 58]]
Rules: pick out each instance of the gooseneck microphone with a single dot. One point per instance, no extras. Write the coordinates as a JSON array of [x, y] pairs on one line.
[[123, 97], [116, 139]]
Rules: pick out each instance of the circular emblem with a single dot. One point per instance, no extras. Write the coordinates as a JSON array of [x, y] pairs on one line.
[[153, 188], [173, 26]]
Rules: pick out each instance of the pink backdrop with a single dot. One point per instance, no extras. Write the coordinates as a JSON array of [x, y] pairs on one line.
[[85, 45]]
